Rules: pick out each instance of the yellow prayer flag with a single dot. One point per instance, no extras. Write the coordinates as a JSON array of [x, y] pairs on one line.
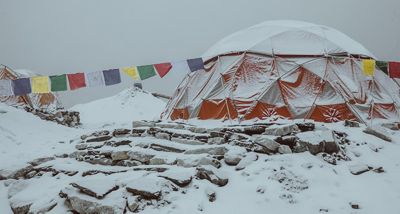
[[131, 71], [40, 84], [368, 67]]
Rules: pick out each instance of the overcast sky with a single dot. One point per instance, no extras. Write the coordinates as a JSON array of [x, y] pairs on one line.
[[66, 36]]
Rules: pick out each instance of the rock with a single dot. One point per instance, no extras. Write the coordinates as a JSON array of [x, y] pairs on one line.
[[21, 173], [141, 157], [282, 130], [136, 124], [392, 126], [254, 130], [119, 155], [138, 132], [216, 134], [42, 207], [81, 146], [209, 175], [204, 161], [157, 161], [306, 127], [177, 181], [121, 143], [39, 161], [212, 196], [163, 148], [170, 126], [186, 141], [121, 132], [378, 133], [83, 206], [300, 147], [351, 123], [161, 135], [20, 208], [318, 142], [93, 193], [247, 160], [358, 169], [269, 144], [284, 149], [232, 160], [379, 170], [198, 130], [354, 205], [216, 140], [289, 140], [147, 189], [100, 161], [132, 203], [211, 151], [100, 133], [99, 139]]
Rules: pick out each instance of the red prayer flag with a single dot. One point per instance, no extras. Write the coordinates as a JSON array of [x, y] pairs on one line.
[[163, 68], [394, 69], [76, 81]]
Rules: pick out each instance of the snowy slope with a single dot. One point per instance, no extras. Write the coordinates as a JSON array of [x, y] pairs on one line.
[[24, 137], [129, 105]]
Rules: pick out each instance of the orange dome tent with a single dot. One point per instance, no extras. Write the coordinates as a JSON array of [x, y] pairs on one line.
[[288, 69]]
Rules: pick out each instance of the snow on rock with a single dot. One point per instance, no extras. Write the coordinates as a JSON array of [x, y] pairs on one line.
[[123, 108]]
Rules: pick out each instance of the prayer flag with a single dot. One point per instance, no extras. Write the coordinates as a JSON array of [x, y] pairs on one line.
[[94, 79], [21, 86], [368, 66], [394, 69], [383, 66], [163, 68], [76, 81], [146, 71], [180, 66], [131, 71], [5, 88], [112, 76], [195, 64], [58, 82], [40, 84]]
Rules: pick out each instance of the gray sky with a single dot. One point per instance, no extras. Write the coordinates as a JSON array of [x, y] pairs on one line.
[[66, 36]]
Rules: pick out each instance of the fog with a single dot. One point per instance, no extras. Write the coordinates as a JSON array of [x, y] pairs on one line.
[[66, 36]]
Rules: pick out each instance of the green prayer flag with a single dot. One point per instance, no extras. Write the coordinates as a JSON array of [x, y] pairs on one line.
[[58, 83], [146, 71], [383, 66]]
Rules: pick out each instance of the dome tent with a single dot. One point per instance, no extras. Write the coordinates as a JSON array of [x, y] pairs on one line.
[[288, 69]]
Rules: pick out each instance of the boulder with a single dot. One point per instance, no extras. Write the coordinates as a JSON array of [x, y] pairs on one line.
[[289, 140], [99, 139], [146, 188], [97, 190], [84, 206], [282, 130], [211, 151], [161, 135], [269, 144], [136, 124], [351, 123], [232, 160], [209, 175], [216, 140], [132, 203], [186, 141], [254, 130], [204, 161], [177, 180], [247, 160], [119, 155], [141, 157], [284, 149], [359, 169], [377, 132], [121, 132], [306, 127], [157, 161], [19, 208]]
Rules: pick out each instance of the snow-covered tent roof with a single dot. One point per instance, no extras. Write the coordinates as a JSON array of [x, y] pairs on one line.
[[286, 37]]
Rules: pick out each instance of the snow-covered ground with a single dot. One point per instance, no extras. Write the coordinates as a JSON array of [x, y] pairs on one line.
[[175, 168]]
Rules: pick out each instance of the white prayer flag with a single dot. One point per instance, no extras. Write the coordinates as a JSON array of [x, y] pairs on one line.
[[94, 79], [6, 88]]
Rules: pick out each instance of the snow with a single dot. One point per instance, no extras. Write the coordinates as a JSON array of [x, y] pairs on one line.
[[298, 182], [123, 108]]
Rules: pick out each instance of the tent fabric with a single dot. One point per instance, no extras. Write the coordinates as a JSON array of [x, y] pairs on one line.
[[21, 86], [112, 76], [288, 37], [76, 81], [59, 82], [5, 88], [40, 84], [146, 71], [163, 68], [95, 79]]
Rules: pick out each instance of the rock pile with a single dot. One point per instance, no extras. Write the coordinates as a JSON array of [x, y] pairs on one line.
[[66, 118]]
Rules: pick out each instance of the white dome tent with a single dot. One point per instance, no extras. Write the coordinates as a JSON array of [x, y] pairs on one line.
[[289, 69]]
